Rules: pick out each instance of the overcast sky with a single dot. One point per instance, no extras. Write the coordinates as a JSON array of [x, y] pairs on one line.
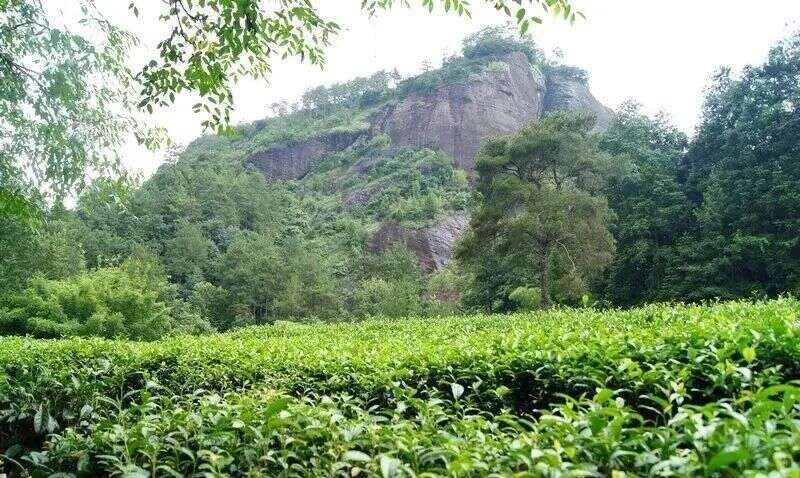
[[660, 53]]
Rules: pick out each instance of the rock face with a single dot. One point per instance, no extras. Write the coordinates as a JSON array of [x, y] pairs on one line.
[[293, 160], [457, 117], [565, 92], [433, 245]]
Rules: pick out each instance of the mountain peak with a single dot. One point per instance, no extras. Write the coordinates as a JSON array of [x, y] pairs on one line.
[[451, 110]]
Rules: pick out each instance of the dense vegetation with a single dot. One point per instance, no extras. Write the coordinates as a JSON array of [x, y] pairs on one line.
[[155, 328], [638, 213], [686, 390], [542, 217], [238, 249]]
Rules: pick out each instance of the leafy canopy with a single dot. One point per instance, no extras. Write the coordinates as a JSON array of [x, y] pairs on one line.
[[67, 101], [540, 216]]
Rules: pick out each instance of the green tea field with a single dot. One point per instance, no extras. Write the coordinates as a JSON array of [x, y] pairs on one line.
[[654, 391]]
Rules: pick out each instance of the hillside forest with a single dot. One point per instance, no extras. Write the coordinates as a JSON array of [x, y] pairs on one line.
[[573, 208]]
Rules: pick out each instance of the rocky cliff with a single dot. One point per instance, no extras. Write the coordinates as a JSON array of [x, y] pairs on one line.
[[433, 245], [293, 160], [568, 92], [453, 118]]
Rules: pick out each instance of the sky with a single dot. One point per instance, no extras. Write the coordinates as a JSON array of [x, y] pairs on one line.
[[660, 53]]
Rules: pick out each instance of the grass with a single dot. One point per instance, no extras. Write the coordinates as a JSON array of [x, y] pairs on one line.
[[681, 390]]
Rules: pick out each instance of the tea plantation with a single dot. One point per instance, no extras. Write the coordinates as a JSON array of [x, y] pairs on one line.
[[659, 390]]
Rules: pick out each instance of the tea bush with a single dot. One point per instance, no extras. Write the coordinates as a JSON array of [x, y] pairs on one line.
[[659, 390]]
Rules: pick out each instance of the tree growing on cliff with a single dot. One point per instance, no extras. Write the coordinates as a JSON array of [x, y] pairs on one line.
[[540, 220]]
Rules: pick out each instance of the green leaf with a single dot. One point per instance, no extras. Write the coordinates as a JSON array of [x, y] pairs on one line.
[[725, 458], [749, 354], [277, 405], [502, 391], [457, 390], [523, 27], [355, 455], [603, 395]]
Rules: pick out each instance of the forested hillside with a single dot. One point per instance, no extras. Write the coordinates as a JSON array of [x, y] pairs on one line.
[[354, 201]]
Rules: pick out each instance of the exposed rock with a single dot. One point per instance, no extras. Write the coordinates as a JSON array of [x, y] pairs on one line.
[[433, 245], [457, 117], [293, 160], [363, 195], [454, 119], [565, 92]]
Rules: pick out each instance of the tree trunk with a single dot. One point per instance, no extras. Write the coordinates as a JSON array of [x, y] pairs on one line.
[[544, 277]]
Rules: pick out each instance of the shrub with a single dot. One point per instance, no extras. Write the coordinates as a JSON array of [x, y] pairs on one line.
[[654, 391], [132, 301], [498, 41], [527, 298], [388, 298]]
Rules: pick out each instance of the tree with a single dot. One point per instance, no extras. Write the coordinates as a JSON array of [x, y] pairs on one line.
[[67, 101], [186, 255], [742, 173], [540, 220], [112, 227], [391, 285], [651, 209], [52, 249]]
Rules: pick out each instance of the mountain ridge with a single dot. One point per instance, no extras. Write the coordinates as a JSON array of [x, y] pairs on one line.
[[399, 154], [453, 118]]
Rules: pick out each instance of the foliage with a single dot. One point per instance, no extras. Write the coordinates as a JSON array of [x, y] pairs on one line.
[[241, 249], [527, 298], [211, 218], [111, 227], [358, 92], [497, 42], [540, 215], [51, 249], [480, 52], [685, 390], [444, 290], [392, 285], [265, 281], [652, 209], [130, 301], [393, 298], [741, 174], [66, 103]]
